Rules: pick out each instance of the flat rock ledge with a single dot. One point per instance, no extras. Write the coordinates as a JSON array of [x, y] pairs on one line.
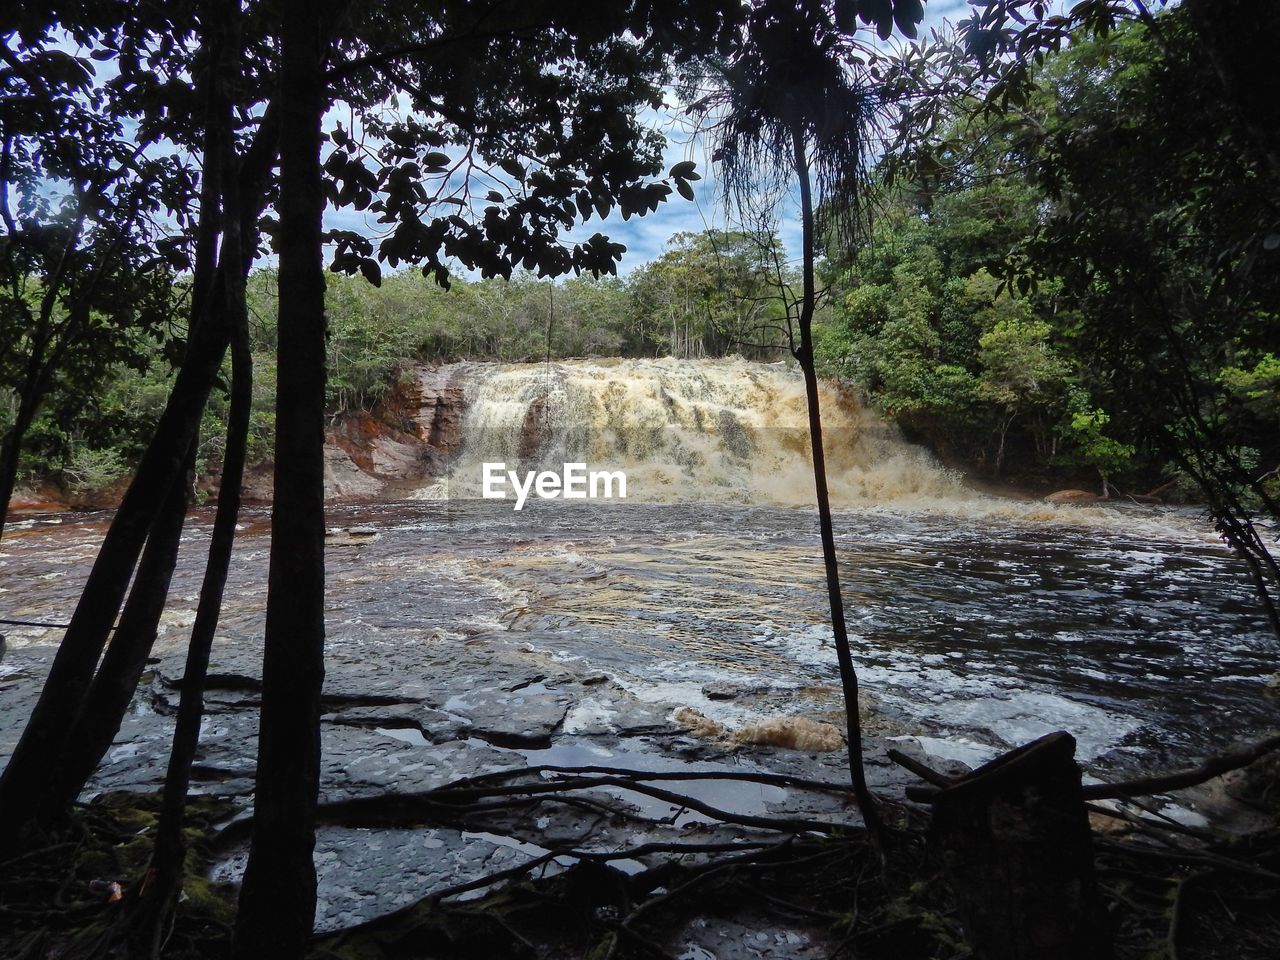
[[416, 718]]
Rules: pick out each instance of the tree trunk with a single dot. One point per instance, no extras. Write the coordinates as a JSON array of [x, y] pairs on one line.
[[29, 773], [278, 895], [848, 675], [1017, 852], [114, 685], [28, 778], [170, 849], [10, 449]]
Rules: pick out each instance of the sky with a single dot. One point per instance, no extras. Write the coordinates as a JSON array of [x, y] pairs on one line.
[[647, 237]]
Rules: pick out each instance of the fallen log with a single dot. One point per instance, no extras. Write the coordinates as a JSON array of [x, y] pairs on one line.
[[1140, 787], [1181, 779]]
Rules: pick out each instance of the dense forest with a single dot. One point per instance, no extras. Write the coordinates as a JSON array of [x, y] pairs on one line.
[[708, 295], [959, 310]]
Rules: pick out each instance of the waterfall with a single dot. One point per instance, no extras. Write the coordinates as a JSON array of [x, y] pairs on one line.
[[683, 431]]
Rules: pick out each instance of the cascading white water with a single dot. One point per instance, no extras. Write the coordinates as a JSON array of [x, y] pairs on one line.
[[684, 431]]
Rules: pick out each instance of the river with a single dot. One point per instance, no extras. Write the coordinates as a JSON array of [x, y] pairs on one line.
[[977, 622], [464, 636], [1135, 631]]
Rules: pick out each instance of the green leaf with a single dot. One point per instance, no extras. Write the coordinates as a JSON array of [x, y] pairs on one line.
[[683, 188]]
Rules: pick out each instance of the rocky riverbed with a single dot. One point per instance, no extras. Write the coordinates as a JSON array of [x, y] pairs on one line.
[[465, 640]]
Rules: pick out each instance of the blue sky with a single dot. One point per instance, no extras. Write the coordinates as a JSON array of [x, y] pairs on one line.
[[647, 237]]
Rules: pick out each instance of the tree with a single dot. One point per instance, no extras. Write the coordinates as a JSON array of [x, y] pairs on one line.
[[711, 293], [278, 894], [36, 789], [543, 174], [1020, 369], [85, 281], [792, 107], [1157, 155]]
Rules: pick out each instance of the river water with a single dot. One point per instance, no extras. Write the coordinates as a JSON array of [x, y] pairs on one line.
[[973, 628], [978, 623]]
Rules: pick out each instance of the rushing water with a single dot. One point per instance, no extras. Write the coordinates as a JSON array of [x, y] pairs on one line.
[[976, 630], [976, 622]]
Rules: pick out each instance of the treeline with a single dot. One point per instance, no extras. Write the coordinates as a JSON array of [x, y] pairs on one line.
[[709, 294], [1072, 289], [1081, 279]]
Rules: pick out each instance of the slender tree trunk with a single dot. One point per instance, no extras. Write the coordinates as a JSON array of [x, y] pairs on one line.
[[848, 675], [278, 895], [117, 678], [10, 449], [170, 850], [28, 779], [28, 776]]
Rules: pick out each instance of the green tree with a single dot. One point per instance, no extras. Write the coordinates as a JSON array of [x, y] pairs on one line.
[[1020, 371], [712, 293], [85, 276]]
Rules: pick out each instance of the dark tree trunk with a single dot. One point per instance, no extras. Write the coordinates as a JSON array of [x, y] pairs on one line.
[[278, 896], [10, 448], [28, 778], [1017, 851], [117, 678], [170, 850], [848, 675]]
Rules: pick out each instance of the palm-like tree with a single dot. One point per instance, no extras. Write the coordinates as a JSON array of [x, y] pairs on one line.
[[794, 111]]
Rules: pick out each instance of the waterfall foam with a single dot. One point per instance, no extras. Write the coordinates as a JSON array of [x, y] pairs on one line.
[[685, 431]]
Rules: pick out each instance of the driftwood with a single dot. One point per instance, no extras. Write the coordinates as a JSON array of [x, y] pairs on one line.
[[1017, 852], [1141, 787], [1181, 779]]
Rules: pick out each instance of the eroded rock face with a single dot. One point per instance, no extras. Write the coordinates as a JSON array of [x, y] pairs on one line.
[[439, 408], [405, 442]]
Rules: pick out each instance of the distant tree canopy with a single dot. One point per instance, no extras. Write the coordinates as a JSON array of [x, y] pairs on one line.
[[712, 289]]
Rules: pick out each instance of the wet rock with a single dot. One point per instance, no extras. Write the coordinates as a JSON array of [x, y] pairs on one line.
[[520, 719], [1072, 496], [365, 873], [433, 725], [361, 763], [614, 712], [730, 691], [343, 477], [438, 410]]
